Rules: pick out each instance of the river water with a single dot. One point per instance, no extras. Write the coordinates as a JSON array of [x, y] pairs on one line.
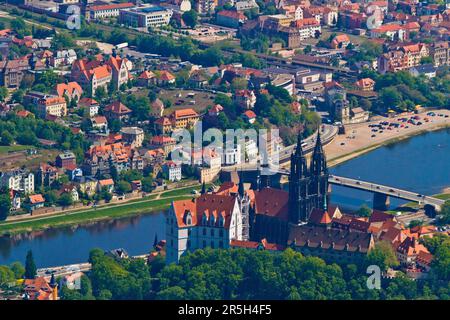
[[420, 164]]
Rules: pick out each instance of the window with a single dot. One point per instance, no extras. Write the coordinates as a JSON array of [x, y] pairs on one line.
[[204, 243], [212, 244], [221, 232], [212, 232], [188, 244], [204, 231], [220, 244]]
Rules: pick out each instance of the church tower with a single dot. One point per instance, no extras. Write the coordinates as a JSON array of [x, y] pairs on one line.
[[244, 207], [300, 203], [319, 176]]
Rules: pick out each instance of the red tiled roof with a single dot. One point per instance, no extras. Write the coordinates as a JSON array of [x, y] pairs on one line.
[[118, 108]]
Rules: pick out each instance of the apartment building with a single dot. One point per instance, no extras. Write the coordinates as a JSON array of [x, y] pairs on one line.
[[18, 180], [52, 106]]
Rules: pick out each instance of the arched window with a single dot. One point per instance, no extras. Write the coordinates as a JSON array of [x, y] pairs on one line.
[[221, 221], [212, 232], [212, 220], [204, 219]]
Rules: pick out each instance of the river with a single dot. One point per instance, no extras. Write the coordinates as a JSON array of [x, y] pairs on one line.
[[420, 164]]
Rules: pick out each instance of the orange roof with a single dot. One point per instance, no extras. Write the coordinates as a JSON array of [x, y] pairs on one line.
[[99, 119], [388, 28], [52, 100], [319, 216], [365, 82], [62, 88], [23, 113], [164, 121], [101, 72], [249, 114], [161, 140], [36, 198], [210, 205], [165, 75], [106, 182], [117, 107], [87, 102], [184, 113], [147, 75]]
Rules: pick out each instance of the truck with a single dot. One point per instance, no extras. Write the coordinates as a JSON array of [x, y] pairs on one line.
[[121, 45]]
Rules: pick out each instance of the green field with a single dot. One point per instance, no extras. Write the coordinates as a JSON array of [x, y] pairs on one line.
[[6, 149]]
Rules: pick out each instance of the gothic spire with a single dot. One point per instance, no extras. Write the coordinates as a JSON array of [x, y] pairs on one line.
[[203, 191], [319, 161], [241, 185], [298, 148]]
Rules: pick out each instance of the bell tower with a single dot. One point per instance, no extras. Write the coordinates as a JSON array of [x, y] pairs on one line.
[[319, 175], [299, 181]]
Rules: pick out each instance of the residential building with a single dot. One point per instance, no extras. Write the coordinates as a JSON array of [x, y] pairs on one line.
[[167, 144], [157, 108], [245, 5], [35, 201], [365, 84], [204, 7], [120, 70], [117, 110], [52, 106], [340, 41], [63, 58], [66, 160], [440, 52], [245, 99], [91, 106], [184, 118], [39, 289], [100, 123], [146, 78], [18, 180], [230, 18], [71, 90], [46, 175], [12, 72], [172, 171], [107, 184], [133, 136]]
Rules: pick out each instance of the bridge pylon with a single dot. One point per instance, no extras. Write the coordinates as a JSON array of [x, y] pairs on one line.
[[381, 201]]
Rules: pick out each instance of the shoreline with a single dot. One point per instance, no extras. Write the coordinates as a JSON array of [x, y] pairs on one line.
[[339, 159], [86, 217]]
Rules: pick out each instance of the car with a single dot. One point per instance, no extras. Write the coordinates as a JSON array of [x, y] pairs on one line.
[[378, 187], [419, 195], [357, 182], [342, 143], [391, 190], [446, 116]]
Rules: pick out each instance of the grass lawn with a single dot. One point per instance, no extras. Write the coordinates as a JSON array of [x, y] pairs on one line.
[[6, 149], [90, 215]]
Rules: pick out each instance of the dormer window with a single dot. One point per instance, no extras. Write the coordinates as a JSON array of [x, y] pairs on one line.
[[188, 218]]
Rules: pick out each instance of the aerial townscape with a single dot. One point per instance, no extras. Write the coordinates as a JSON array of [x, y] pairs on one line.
[[224, 150]]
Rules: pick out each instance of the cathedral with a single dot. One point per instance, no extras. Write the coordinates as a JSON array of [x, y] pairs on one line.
[[275, 210], [299, 217]]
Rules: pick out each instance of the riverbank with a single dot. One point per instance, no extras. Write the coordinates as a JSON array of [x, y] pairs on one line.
[[90, 215], [358, 139]]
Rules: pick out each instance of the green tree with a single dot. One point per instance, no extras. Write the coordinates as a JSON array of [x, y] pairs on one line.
[[123, 187], [445, 212], [383, 256], [147, 184], [30, 266], [65, 200], [3, 93], [190, 18], [364, 211], [5, 203], [18, 269]]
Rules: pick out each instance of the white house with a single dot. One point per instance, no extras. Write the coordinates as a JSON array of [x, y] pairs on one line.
[[208, 221]]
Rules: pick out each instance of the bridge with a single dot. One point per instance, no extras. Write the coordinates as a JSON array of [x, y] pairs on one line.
[[383, 192]]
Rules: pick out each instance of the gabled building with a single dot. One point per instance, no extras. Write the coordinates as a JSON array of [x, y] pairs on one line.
[[71, 90], [120, 70], [117, 110]]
